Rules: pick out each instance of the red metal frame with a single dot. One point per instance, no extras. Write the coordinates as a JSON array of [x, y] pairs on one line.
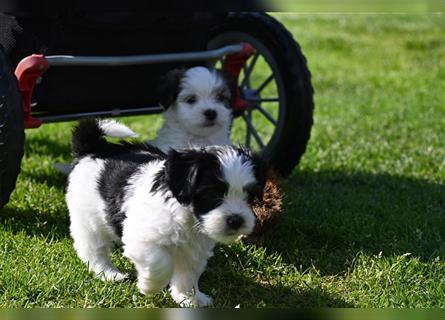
[[28, 71], [232, 64]]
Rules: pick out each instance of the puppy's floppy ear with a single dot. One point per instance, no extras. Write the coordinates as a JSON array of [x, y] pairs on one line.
[[230, 82], [260, 169], [181, 175], [169, 87]]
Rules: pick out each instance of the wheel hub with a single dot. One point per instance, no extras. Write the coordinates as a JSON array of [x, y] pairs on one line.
[[250, 95]]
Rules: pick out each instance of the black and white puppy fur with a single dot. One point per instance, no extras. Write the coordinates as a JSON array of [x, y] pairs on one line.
[[167, 210], [197, 103]]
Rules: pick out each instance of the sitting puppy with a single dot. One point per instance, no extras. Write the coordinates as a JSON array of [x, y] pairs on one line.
[[168, 211], [197, 105]]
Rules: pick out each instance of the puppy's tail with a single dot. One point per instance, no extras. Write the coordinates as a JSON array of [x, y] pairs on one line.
[[116, 129], [89, 135]]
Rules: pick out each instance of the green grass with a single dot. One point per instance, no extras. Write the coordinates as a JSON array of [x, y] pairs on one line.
[[364, 222]]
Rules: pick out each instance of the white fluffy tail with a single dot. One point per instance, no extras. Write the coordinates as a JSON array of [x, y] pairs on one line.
[[115, 129]]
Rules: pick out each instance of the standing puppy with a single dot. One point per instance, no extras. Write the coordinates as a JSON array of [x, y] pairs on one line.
[[168, 211]]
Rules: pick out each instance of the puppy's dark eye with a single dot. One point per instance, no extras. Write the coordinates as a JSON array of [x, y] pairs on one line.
[[221, 97], [191, 99]]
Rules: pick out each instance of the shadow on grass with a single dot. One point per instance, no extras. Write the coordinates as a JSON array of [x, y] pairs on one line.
[[41, 145], [54, 150], [229, 287], [38, 211], [35, 223], [247, 294], [49, 178], [330, 216]]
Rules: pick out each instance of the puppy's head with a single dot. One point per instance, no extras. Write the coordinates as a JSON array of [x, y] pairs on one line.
[[218, 184], [198, 98]]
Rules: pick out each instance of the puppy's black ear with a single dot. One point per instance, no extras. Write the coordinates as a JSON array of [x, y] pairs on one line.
[[261, 169], [182, 174], [230, 83], [169, 87]]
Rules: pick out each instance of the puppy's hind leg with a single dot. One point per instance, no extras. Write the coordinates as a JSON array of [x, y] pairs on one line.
[[94, 249]]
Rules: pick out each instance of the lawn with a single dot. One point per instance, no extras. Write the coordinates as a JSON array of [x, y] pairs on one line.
[[364, 222]]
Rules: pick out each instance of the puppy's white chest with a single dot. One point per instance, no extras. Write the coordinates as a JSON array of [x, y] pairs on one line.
[[207, 141]]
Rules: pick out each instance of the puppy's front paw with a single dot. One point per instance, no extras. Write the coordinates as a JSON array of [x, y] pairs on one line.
[[188, 300], [183, 300], [203, 300], [146, 286], [114, 276], [118, 277]]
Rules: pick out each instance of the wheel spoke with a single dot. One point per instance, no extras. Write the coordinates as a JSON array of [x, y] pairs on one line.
[[264, 84], [248, 71], [259, 100], [266, 114], [253, 131], [248, 131]]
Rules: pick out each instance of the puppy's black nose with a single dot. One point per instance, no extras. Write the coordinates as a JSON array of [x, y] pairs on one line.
[[235, 221], [210, 114]]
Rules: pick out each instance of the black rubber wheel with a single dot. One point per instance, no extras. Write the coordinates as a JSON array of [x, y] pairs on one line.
[[277, 84], [11, 129]]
